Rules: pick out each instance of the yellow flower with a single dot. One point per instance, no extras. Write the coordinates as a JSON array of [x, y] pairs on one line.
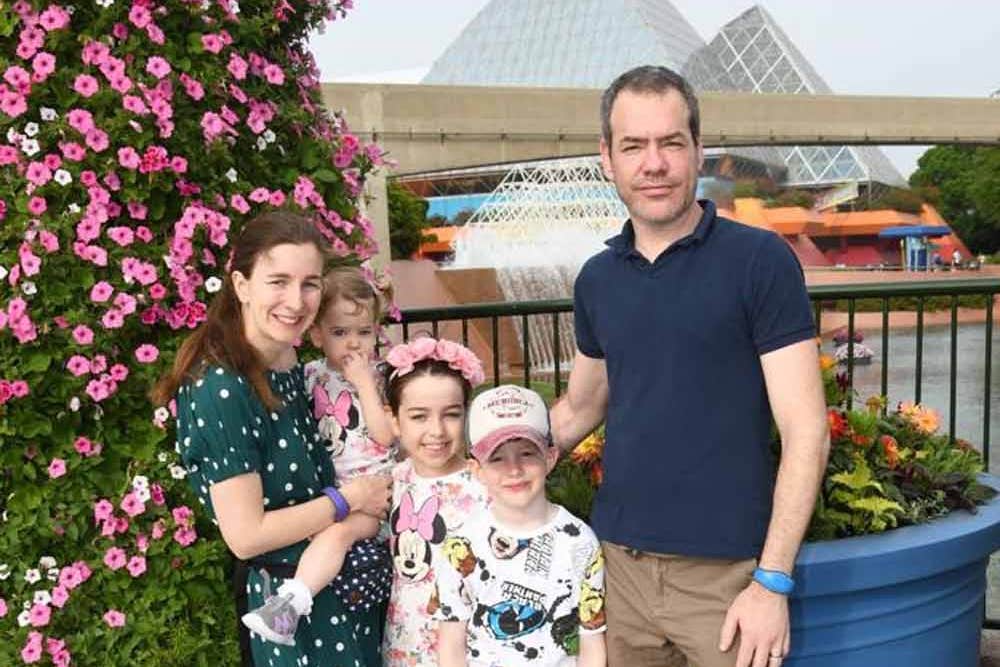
[[589, 450], [925, 420], [875, 404]]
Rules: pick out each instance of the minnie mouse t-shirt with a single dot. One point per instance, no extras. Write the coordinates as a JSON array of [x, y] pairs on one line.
[[424, 511], [337, 409]]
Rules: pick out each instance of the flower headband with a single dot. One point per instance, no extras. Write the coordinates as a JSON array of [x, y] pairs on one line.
[[402, 357]]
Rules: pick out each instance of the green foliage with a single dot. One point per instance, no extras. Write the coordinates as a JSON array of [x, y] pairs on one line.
[[407, 221], [799, 198], [963, 182], [897, 199]]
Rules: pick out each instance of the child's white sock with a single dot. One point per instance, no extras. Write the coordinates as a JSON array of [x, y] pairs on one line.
[[302, 599]]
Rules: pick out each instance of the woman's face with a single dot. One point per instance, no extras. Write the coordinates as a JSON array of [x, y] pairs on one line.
[[280, 297]]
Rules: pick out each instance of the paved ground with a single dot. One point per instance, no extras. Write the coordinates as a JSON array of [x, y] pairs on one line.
[[990, 649]]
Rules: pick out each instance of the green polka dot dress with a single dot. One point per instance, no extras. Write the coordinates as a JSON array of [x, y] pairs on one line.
[[223, 430]]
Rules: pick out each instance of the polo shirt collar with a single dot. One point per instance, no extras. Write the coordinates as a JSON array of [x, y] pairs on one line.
[[624, 242]]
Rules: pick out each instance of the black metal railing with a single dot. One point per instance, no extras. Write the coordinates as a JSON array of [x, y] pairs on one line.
[[822, 296]]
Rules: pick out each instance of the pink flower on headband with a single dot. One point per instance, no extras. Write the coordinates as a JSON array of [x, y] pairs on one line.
[[402, 357]]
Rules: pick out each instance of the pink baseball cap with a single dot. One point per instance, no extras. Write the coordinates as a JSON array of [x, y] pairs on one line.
[[506, 413]]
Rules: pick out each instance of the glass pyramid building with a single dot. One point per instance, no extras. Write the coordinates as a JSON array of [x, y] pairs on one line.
[[586, 43]]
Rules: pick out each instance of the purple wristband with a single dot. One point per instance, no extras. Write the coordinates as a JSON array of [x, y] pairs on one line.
[[341, 508]]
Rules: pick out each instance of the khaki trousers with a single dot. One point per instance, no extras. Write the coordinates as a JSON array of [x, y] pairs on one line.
[[666, 610]]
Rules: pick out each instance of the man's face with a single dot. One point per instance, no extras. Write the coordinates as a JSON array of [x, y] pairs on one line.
[[652, 158]]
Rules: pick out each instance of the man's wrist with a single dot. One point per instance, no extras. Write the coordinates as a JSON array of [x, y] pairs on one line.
[[775, 581]]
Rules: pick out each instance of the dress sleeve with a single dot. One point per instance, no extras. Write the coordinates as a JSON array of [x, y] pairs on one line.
[[455, 597], [591, 609], [221, 417]]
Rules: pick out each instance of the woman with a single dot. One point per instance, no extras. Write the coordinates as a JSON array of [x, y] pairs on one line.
[[251, 447]]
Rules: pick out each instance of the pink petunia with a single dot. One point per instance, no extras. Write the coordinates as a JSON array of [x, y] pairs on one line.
[[118, 372], [274, 74], [115, 558], [97, 390], [83, 334], [112, 319], [38, 173], [49, 241], [80, 120], [185, 536], [114, 618], [86, 85], [212, 43], [43, 64], [237, 67], [78, 365], [96, 140], [3, 607], [54, 18], [31, 653], [98, 363], [60, 595], [128, 157], [39, 615], [57, 468], [72, 151], [146, 353], [101, 291], [158, 67], [136, 566], [85, 447], [37, 205], [103, 510], [140, 16], [131, 504], [19, 388]]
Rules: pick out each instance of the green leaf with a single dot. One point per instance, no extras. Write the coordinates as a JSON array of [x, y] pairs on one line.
[[37, 362], [325, 176]]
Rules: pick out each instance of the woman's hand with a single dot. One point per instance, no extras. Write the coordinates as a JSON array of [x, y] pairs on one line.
[[371, 494]]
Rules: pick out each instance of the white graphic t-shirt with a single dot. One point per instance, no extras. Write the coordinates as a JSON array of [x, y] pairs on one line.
[[424, 511], [337, 409], [526, 597]]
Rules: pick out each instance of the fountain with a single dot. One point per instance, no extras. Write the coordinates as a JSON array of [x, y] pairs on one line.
[[536, 230]]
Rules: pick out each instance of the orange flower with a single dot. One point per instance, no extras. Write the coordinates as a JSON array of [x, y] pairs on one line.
[[826, 362], [589, 449], [597, 474], [891, 449], [861, 440], [925, 420], [875, 404], [838, 425]]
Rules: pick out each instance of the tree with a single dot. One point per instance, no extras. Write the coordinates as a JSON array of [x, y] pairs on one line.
[[407, 221], [963, 182], [135, 140]]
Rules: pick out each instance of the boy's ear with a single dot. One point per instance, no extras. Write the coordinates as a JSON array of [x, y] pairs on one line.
[[476, 469], [551, 458]]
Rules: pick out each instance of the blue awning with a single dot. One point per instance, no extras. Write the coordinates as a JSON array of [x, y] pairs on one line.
[[903, 231]]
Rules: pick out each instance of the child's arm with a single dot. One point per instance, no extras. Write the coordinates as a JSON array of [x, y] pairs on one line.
[[323, 559], [451, 644], [357, 371], [593, 652]]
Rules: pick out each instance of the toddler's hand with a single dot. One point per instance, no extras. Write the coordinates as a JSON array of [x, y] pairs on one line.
[[362, 525], [355, 369]]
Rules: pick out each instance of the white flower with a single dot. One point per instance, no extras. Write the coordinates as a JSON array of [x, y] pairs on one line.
[[212, 285], [12, 136], [31, 129], [42, 597], [177, 472], [29, 288], [4, 571], [234, 7], [29, 147], [142, 493], [74, 404], [105, 3], [261, 143], [3, 272], [269, 136], [162, 457], [32, 576], [232, 175], [47, 114], [52, 574], [140, 482], [73, 208], [46, 562], [62, 177], [23, 618]]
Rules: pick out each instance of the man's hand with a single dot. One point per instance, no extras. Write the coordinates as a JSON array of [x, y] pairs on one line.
[[761, 617]]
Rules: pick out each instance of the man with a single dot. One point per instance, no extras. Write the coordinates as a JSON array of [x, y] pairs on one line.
[[692, 331]]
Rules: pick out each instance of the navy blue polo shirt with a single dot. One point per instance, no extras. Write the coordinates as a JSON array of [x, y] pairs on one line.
[[687, 465]]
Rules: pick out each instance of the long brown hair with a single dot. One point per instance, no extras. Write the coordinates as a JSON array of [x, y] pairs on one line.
[[220, 339]]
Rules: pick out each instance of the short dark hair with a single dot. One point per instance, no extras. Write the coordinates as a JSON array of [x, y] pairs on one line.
[[650, 79]]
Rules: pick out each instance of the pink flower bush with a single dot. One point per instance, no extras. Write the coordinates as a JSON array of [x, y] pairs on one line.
[[122, 121]]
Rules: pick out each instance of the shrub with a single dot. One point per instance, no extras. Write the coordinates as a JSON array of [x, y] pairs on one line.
[[135, 138]]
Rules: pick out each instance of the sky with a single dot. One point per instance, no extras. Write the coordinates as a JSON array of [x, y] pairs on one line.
[[860, 47]]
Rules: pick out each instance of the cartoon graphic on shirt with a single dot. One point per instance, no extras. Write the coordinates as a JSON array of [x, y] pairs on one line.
[[504, 547], [413, 533], [458, 551], [336, 418]]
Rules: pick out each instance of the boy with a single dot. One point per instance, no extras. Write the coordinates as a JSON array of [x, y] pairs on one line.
[[524, 579]]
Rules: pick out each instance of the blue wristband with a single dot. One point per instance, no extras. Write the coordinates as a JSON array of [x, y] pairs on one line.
[[340, 505], [774, 581]]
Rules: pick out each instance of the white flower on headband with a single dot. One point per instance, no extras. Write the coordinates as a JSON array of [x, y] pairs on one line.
[[402, 357]]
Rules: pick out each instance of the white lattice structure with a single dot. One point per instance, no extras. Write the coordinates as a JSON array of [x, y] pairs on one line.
[[557, 212]]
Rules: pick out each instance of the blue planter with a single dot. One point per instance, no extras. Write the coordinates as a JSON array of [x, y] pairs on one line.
[[913, 596]]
